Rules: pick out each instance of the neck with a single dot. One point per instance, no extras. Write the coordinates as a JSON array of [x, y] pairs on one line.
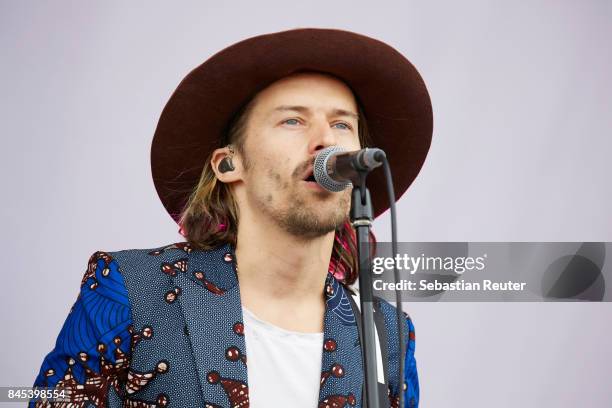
[[279, 266]]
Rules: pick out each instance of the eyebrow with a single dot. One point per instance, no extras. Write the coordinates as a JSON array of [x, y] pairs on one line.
[[304, 109]]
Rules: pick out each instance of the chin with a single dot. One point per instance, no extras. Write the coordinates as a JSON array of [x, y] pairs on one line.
[[312, 224]]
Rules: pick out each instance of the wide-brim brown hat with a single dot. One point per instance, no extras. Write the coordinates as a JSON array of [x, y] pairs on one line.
[[391, 92]]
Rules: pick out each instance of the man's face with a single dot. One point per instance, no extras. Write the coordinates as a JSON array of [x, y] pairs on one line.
[[290, 122]]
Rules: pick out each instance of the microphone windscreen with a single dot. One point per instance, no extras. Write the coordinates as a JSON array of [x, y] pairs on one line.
[[323, 173]]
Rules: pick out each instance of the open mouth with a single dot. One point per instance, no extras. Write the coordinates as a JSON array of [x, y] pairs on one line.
[[311, 182], [309, 176]]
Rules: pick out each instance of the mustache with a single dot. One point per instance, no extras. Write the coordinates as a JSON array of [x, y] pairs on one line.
[[301, 169]]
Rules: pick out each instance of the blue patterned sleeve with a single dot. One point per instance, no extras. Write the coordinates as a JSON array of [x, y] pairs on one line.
[[92, 352], [411, 377]]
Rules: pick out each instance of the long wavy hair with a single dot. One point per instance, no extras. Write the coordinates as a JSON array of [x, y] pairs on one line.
[[210, 217]]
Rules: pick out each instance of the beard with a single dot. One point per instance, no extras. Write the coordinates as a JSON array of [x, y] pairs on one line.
[[301, 213], [305, 221]]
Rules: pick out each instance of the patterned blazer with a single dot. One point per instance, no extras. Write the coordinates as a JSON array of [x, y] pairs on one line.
[[163, 327]]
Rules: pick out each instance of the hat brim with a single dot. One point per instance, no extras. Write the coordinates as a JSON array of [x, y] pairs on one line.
[[389, 88]]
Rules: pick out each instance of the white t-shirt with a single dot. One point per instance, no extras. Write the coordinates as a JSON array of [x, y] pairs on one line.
[[284, 367]]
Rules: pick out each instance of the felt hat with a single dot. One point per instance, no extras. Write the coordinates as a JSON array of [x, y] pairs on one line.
[[388, 87]]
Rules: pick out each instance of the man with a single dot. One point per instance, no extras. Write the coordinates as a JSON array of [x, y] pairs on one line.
[[265, 273]]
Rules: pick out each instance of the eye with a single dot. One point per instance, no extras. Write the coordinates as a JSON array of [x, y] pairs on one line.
[[291, 122], [342, 125]]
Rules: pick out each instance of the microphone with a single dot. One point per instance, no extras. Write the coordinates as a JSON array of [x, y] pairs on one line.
[[335, 169]]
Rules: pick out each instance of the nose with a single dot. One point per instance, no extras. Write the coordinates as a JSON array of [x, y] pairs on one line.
[[322, 136]]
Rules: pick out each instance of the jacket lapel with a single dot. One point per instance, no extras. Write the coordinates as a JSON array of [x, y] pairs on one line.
[[341, 366], [210, 301]]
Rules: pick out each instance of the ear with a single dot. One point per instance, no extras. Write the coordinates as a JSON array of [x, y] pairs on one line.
[[230, 176]]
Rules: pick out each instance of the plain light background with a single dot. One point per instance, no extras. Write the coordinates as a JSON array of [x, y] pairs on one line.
[[522, 100]]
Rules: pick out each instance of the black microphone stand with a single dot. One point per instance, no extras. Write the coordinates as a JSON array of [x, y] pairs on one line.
[[361, 219]]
